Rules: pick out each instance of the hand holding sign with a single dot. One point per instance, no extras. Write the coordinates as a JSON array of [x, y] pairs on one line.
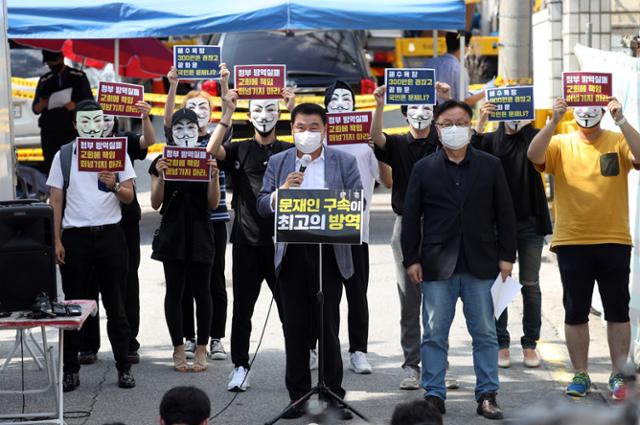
[[144, 108], [615, 109], [230, 100], [289, 97], [172, 76], [379, 95], [161, 167], [213, 166], [559, 109], [108, 178], [224, 73]]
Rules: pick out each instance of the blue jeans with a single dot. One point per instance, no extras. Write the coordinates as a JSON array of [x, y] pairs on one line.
[[529, 256], [439, 300]]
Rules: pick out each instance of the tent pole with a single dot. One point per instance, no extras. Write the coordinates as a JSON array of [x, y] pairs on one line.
[[116, 58], [461, 95], [435, 43]]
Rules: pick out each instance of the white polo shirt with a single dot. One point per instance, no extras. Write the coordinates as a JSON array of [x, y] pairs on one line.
[[86, 205]]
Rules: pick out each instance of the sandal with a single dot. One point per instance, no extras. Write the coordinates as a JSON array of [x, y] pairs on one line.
[[200, 362], [180, 359]]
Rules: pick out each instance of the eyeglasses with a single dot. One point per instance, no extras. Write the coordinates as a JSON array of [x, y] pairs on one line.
[[450, 124]]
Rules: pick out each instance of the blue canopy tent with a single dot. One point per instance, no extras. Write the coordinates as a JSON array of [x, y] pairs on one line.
[[81, 19]]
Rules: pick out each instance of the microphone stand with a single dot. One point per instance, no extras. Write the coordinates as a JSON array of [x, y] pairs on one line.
[[321, 389]]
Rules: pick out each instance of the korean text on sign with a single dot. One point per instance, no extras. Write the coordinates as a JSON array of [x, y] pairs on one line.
[[186, 164], [259, 81], [512, 103], [348, 128], [319, 216], [410, 86], [197, 62], [587, 88], [101, 154], [120, 99]]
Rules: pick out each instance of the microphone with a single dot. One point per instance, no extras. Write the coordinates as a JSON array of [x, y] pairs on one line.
[[304, 162]]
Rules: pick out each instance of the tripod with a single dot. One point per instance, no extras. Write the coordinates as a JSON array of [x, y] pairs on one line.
[[321, 389]]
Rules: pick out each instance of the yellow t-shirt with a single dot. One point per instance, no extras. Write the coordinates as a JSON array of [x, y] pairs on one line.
[[591, 196]]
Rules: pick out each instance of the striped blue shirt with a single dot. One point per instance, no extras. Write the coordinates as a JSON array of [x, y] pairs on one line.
[[221, 213]]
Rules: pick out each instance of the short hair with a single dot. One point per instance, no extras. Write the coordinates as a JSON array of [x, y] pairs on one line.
[[416, 412], [197, 93], [309, 109], [450, 104], [453, 40], [185, 405], [86, 105]]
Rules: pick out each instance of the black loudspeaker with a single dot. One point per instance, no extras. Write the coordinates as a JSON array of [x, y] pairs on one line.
[[27, 254]]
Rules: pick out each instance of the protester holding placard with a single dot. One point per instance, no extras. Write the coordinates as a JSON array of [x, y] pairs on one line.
[[510, 143], [251, 234], [401, 152], [137, 145], [87, 211], [339, 98], [185, 242], [201, 103], [591, 236]]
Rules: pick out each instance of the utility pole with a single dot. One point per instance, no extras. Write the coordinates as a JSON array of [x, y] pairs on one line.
[[515, 56]]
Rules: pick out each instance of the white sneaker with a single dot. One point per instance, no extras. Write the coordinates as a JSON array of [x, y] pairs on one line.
[[359, 363], [238, 379], [410, 381], [313, 359], [216, 350], [450, 381], [190, 349]]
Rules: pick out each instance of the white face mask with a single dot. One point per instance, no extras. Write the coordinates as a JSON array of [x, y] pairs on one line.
[[341, 101], [201, 107], [516, 126], [308, 141], [185, 133], [420, 116], [455, 137], [587, 116], [90, 123], [109, 122], [264, 115]]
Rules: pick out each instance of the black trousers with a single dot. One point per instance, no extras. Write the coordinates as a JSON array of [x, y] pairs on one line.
[[218, 288], [298, 288], [104, 252], [51, 141], [251, 265], [178, 275], [91, 330]]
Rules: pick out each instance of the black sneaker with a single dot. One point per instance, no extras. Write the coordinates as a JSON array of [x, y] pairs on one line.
[[87, 357], [295, 412], [125, 379], [488, 406], [70, 381], [133, 357], [341, 411], [436, 402]]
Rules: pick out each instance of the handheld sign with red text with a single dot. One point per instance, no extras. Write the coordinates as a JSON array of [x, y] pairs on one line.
[[259, 81], [186, 164], [101, 154], [120, 99], [586, 88], [348, 128]]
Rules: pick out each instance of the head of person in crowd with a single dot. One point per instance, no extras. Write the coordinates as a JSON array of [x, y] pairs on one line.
[[184, 128], [54, 60], [308, 126], [453, 121], [200, 102], [418, 412], [339, 97], [512, 127], [452, 40], [89, 119], [185, 406], [264, 115], [588, 117], [419, 117]]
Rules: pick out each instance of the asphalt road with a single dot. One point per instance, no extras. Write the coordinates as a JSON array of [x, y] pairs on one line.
[[375, 395]]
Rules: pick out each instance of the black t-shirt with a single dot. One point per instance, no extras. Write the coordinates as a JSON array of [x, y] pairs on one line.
[[525, 183], [247, 162], [401, 152], [132, 211]]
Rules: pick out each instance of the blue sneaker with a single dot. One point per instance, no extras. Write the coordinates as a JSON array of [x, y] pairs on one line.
[[580, 385], [617, 387]]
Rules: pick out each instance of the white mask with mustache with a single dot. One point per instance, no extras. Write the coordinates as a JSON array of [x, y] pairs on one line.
[[90, 123], [587, 116], [185, 133], [341, 101], [109, 123], [264, 115], [202, 108], [420, 116]]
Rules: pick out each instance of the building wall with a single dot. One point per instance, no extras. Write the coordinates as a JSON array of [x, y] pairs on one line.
[[575, 16], [625, 20]]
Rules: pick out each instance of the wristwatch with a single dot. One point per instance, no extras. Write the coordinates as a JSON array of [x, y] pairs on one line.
[[621, 121], [116, 187]]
